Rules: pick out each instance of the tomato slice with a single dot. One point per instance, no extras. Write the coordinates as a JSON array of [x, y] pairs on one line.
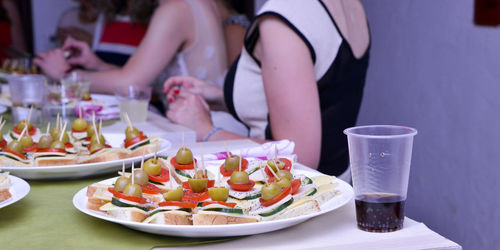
[[241, 187], [274, 200], [31, 149], [78, 131], [135, 140], [192, 196], [31, 132], [22, 156], [150, 189], [176, 165], [295, 186], [51, 150], [131, 198], [210, 184], [226, 173], [227, 204], [164, 176], [288, 166], [3, 143], [182, 204], [68, 145]]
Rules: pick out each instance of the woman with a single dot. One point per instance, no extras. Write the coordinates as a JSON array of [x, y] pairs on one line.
[[300, 77], [184, 37]]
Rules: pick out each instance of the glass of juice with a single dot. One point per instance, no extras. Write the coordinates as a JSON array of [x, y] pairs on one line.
[[380, 157], [134, 101]]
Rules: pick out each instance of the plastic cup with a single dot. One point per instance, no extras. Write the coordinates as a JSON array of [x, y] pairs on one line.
[[380, 157], [134, 101], [26, 91]]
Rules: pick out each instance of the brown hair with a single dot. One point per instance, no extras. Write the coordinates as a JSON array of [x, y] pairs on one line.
[[140, 11]]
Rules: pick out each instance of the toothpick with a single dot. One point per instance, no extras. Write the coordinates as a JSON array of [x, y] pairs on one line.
[[57, 122], [218, 179], [97, 135], [202, 159], [63, 131], [48, 129], [80, 111], [142, 160], [275, 151], [2, 124], [240, 163], [22, 132], [29, 115], [156, 153], [263, 174], [100, 127], [123, 168], [93, 119], [183, 139], [127, 119], [133, 173], [227, 150], [272, 171]]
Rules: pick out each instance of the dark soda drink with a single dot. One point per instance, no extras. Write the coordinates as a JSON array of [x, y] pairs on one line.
[[380, 212]]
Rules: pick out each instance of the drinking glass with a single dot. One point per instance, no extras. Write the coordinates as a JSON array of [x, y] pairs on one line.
[[134, 101], [25, 92], [380, 157]]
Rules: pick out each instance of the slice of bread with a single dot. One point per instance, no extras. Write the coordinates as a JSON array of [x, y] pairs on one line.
[[216, 218], [174, 217], [124, 213], [298, 208], [8, 162], [55, 161], [98, 195], [153, 146], [4, 186], [107, 154]]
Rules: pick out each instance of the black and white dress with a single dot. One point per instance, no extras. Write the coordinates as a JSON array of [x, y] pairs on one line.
[[339, 74]]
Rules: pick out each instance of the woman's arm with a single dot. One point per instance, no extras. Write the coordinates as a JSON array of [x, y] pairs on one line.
[[291, 90], [169, 29]]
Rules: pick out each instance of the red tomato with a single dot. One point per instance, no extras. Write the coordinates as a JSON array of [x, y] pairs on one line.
[[135, 140], [31, 132], [33, 148], [288, 166], [150, 189], [51, 150], [176, 165], [164, 176], [226, 173], [274, 200], [131, 198], [78, 131], [68, 145], [22, 156], [295, 186], [182, 204], [3, 143], [241, 187], [192, 196], [210, 184], [227, 204]]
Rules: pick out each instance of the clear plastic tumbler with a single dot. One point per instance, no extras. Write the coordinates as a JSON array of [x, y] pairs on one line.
[[380, 157]]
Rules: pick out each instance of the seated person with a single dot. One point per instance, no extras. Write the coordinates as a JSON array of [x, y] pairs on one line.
[[11, 31], [300, 76], [184, 38]]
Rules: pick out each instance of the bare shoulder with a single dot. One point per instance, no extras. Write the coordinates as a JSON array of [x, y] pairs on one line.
[[173, 9]]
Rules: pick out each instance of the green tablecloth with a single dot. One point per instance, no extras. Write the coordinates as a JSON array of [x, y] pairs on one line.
[[47, 219]]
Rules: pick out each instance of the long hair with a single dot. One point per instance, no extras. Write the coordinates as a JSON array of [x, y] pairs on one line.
[[140, 11]]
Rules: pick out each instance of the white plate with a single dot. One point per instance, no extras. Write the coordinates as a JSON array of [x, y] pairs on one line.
[[80, 202], [79, 170], [19, 189]]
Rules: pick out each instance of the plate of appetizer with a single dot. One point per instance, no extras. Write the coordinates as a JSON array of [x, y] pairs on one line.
[[82, 151], [184, 196], [12, 189]]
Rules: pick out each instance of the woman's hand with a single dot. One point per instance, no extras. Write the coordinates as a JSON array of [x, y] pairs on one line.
[[193, 112], [82, 54], [180, 86], [53, 63]]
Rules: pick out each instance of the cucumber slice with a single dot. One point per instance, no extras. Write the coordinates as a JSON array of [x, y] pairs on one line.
[[139, 145], [226, 210], [311, 192], [180, 172], [118, 203], [253, 171], [278, 209], [166, 210], [306, 180], [155, 182], [250, 197], [260, 182]]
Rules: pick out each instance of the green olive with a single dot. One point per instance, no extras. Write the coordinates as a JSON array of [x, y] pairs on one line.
[[58, 144], [174, 195], [95, 147], [140, 177], [15, 146], [285, 174], [93, 140], [273, 163], [239, 177], [26, 141], [80, 124], [121, 183], [20, 126], [131, 136], [91, 131], [45, 141], [65, 138], [131, 133], [86, 96], [133, 190], [270, 190], [152, 167], [219, 194], [232, 162], [283, 183], [55, 132], [184, 156], [198, 185]]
